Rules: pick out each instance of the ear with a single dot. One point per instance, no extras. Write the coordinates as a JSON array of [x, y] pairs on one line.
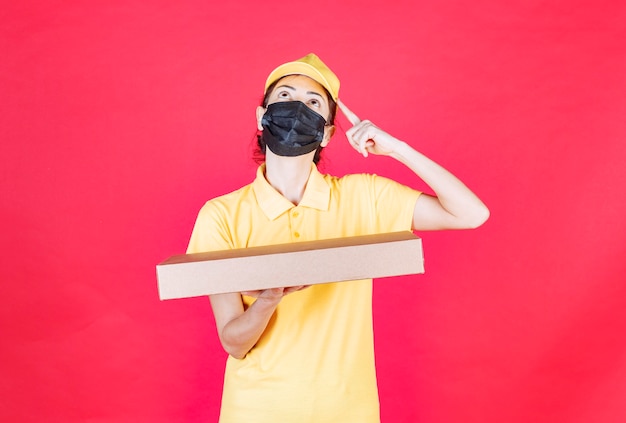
[[329, 131], [260, 111]]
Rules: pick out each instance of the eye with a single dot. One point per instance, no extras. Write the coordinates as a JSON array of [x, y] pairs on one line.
[[314, 103], [283, 94]]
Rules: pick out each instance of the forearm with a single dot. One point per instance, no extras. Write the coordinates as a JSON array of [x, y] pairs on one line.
[[240, 334], [465, 209]]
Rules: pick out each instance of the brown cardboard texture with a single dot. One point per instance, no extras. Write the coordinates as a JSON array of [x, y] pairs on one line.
[[283, 265]]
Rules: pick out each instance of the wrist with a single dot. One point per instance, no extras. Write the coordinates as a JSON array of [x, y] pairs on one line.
[[264, 304], [401, 150]]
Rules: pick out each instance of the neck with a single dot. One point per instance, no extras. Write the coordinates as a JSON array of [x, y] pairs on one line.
[[288, 175]]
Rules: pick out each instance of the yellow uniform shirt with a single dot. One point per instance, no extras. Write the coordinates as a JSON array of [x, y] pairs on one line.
[[315, 361]]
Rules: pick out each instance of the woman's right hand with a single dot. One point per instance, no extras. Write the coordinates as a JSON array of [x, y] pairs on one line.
[[365, 137]]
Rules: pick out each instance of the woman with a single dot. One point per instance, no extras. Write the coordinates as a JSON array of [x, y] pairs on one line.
[[305, 354]]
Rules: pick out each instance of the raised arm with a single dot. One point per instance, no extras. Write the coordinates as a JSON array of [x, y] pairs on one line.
[[455, 206]]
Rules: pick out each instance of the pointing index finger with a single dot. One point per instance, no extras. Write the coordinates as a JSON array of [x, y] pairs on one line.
[[354, 119]]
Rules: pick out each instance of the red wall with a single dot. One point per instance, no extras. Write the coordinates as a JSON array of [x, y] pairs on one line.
[[119, 119]]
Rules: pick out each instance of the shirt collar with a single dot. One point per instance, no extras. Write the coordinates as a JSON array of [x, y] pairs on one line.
[[316, 194]]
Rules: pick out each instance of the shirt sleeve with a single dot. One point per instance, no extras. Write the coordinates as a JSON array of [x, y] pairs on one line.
[[211, 231], [394, 204]]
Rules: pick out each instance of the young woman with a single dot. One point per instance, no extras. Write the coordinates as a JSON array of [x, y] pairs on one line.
[[305, 354]]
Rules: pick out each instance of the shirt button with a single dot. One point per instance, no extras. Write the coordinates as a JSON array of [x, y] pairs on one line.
[[296, 234], [295, 214]]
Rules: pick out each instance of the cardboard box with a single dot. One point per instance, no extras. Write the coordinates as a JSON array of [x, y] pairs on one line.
[[301, 263]]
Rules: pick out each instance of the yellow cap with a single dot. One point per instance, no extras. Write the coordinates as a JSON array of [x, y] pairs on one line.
[[311, 66]]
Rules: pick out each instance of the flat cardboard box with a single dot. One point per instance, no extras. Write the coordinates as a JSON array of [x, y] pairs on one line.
[[282, 265]]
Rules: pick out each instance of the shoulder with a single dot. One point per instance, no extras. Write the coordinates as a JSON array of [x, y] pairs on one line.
[[373, 187], [359, 180], [226, 202], [349, 179], [213, 227], [219, 211]]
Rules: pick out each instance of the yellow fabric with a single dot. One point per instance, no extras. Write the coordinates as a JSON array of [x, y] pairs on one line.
[[315, 361], [311, 66]]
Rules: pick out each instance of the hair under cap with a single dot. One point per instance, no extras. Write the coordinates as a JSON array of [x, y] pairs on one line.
[[311, 66]]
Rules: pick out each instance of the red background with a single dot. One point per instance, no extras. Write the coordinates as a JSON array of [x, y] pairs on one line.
[[119, 119]]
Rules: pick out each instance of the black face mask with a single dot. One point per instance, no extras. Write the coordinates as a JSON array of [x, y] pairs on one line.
[[290, 128]]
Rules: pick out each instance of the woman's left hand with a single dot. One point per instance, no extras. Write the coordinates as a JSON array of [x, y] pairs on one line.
[[365, 137]]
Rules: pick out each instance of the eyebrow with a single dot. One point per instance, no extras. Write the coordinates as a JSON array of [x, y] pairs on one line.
[[293, 89]]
